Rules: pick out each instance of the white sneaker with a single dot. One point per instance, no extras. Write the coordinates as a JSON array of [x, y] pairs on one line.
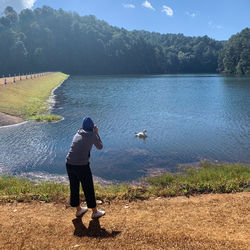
[[98, 214], [81, 212]]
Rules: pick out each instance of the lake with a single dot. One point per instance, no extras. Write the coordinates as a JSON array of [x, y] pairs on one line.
[[188, 118]]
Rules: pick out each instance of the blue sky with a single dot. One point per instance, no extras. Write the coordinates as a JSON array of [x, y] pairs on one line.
[[218, 19]]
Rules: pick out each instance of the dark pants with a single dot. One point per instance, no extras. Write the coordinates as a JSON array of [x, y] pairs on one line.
[[81, 174]]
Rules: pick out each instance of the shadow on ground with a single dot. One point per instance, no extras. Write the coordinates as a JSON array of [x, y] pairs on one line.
[[94, 229]]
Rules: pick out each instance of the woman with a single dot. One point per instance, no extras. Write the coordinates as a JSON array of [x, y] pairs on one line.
[[77, 164]]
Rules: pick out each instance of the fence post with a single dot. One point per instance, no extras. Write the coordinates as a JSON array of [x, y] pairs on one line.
[[5, 80]]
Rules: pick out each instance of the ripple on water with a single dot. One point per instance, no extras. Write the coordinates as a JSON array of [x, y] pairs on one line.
[[188, 118]]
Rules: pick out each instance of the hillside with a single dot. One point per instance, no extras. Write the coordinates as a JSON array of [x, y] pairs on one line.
[[45, 39]]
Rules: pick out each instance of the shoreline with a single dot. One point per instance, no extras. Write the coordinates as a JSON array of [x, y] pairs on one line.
[[7, 120], [51, 100], [42, 176], [208, 178]]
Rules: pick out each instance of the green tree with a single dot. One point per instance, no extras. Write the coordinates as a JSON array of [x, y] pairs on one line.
[[235, 57], [45, 39]]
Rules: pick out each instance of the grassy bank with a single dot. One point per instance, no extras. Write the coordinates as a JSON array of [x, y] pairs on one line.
[[208, 178], [28, 99]]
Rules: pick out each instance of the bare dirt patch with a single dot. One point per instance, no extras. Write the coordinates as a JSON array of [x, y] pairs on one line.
[[214, 221], [6, 120]]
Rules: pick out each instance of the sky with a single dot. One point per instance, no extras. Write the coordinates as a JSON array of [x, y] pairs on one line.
[[218, 19]]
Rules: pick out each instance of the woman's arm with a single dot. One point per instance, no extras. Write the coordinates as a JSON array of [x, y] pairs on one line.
[[97, 140]]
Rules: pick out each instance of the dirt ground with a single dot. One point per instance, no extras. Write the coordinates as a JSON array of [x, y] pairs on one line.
[[213, 221], [6, 120]]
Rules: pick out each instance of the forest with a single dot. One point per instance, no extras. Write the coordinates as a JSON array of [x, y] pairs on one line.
[[45, 39]]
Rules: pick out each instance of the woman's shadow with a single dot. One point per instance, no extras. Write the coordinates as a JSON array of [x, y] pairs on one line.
[[94, 229]]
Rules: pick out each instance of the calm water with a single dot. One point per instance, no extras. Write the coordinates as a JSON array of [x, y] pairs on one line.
[[188, 118]]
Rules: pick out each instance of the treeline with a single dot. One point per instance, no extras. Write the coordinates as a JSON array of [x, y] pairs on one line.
[[235, 56], [46, 39]]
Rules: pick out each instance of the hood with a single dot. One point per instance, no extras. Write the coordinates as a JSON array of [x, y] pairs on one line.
[[83, 132], [87, 124]]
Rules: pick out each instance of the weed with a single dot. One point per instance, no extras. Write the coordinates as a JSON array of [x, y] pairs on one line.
[[208, 178]]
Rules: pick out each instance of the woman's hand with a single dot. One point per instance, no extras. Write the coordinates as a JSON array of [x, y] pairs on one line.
[[96, 129]]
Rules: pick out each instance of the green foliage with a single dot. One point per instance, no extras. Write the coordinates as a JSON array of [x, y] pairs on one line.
[[235, 57], [46, 118], [208, 178], [21, 189], [46, 39]]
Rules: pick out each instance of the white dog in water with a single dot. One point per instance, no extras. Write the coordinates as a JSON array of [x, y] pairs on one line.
[[141, 134]]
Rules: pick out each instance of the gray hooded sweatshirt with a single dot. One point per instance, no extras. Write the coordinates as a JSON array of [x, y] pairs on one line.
[[82, 143]]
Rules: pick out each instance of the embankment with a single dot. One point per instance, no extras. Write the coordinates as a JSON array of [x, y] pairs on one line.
[[28, 99]]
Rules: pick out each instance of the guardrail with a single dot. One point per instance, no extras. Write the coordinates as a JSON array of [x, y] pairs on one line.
[[21, 77]]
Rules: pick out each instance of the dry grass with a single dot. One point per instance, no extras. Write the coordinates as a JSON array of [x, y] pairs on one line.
[[28, 98], [212, 221]]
